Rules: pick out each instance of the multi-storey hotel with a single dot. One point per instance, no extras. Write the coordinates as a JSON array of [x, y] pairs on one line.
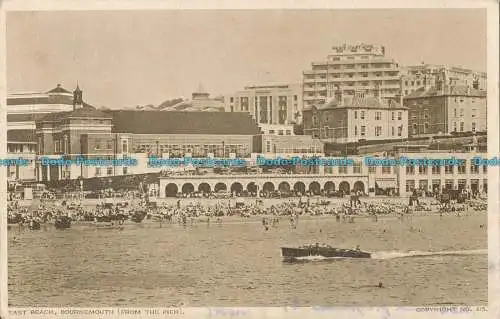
[[352, 118], [275, 107], [352, 68], [422, 76]]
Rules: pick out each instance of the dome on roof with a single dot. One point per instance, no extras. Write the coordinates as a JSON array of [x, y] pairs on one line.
[[58, 89]]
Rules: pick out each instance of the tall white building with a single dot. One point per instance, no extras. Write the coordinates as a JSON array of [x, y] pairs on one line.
[[351, 68], [275, 107]]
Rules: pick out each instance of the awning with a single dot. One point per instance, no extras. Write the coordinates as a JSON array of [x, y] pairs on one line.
[[385, 184]]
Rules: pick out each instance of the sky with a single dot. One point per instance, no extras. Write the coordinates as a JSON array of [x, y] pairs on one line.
[[128, 58]]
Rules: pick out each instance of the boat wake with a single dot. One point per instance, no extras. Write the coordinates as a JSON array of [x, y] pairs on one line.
[[399, 254], [382, 255]]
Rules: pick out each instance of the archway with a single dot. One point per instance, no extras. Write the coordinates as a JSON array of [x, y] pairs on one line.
[[329, 187], [187, 188], [268, 187], [359, 186], [284, 187], [252, 187], [299, 187], [315, 188], [345, 187], [171, 190], [236, 188], [220, 187], [204, 188]]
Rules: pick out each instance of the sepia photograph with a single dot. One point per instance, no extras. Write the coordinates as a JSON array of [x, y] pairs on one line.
[[247, 158]]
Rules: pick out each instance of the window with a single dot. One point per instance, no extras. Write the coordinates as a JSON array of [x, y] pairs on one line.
[[386, 170], [436, 170], [271, 131], [280, 132], [393, 131], [462, 126], [125, 146], [393, 117], [356, 130], [422, 170], [268, 146], [97, 145], [423, 184], [410, 170], [461, 112], [342, 169], [410, 185], [473, 112], [378, 116], [363, 130], [400, 115], [231, 100], [97, 171], [473, 125], [414, 128], [378, 130], [462, 168], [315, 120], [125, 170], [362, 115], [372, 169], [426, 127], [109, 171], [455, 112], [454, 126], [474, 169], [485, 169], [288, 132], [448, 169], [357, 168], [400, 130], [355, 114], [108, 145]]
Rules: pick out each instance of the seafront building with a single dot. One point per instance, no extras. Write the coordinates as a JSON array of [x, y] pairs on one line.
[[415, 77], [448, 107], [347, 118], [352, 68], [275, 107], [371, 180], [23, 110]]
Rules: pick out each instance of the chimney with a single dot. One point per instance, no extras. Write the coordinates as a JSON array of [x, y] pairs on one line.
[[475, 84]]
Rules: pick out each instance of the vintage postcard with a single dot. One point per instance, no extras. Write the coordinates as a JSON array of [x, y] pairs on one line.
[[253, 159]]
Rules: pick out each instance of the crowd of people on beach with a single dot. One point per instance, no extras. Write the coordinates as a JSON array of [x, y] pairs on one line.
[[131, 208]]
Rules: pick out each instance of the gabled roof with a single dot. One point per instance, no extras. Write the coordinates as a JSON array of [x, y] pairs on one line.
[[84, 112], [175, 122]]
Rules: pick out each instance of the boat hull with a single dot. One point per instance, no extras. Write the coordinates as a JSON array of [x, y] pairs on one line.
[[326, 252]]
